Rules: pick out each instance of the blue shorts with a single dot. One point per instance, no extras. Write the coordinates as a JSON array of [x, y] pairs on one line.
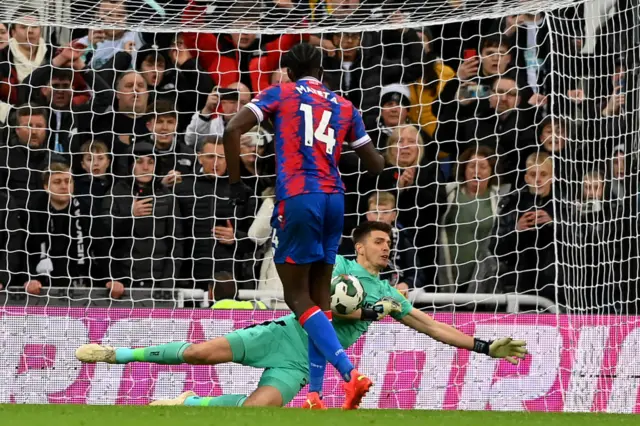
[[307, 228]]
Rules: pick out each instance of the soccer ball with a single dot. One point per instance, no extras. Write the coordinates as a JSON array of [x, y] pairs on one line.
[[347, 294]]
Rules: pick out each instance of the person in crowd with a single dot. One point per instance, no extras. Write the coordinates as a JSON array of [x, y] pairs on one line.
[[4, 35], [94, 182], [431, 91], [358, 73], [257, 159], [238, 57], [24, 155], [57, 235], [497, 122], [54, 84], [416, 186], [25, 52], [171, 75], [596, 251], [119, 127], [260, 232], [403, 270], [173, 158], [394, 108], [221, 106], [479, 69], [524, 234], [102, 44], [465, 262], [91, 187], [12, 259], [207, 211], [280, 76], [142, 219]]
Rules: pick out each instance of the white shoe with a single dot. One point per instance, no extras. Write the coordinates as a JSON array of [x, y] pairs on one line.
[[179, 400], [96, 353]]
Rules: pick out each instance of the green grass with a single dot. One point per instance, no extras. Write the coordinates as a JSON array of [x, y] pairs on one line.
[[85, 415]]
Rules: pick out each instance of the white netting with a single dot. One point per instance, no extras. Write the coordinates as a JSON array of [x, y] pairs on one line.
[[510, 133]]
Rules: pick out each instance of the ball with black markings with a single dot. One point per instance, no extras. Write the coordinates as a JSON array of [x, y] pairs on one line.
[[347, 294]]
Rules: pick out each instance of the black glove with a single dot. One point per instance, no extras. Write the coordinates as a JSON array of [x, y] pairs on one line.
[[239, 193]]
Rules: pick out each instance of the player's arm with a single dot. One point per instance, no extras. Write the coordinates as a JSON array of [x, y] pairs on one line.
[[371, 158], [505, 348], [259, 109], [361, 144], [240, 124]]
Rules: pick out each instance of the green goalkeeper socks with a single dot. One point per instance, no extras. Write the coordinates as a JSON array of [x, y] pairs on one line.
[[169, 353], [216, 401]]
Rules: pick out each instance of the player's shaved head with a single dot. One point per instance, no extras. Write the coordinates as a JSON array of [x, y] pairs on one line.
[[303, 60]]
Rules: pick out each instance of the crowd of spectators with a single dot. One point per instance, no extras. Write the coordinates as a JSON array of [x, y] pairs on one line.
[[508, 146]]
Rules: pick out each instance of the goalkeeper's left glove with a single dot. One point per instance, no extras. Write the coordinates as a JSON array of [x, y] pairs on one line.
[[382, 308], [506, 348]]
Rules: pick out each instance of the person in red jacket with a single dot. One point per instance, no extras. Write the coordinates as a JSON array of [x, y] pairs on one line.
[[232, 58]]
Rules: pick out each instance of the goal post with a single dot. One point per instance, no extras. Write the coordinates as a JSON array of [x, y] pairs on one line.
[[510, 132]]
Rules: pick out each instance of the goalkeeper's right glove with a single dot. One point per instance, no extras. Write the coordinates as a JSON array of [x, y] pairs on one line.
[[382, 308]]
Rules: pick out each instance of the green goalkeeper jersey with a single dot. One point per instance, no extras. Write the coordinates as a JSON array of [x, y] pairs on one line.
[[348, 330]]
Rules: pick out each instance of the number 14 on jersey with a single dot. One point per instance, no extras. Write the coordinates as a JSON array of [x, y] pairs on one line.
[[323, 133]]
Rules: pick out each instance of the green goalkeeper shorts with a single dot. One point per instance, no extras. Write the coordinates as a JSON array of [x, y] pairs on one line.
[[279, 348]]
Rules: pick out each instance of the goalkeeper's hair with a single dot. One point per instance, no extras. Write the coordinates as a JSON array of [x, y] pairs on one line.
[[362, 231], [303, 60]]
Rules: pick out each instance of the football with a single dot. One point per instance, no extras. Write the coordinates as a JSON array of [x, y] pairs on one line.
[[347, 294]]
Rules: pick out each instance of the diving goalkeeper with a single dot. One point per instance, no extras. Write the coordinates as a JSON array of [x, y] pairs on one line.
[[280, 346]]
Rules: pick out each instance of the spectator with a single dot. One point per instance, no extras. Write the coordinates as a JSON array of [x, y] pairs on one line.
[[598, 246], [4, 35], [394, 107], [497, 122], [56, 235], [525, 232], [465, 261], [416, 187], [433, 87], [102, 44], [228, 102], [204, 201], [142, 219], [357, 73], [173, 158], [280, 76], [11, 244], [260, 233], [25, 52], [94, 183], [55, 84], [257, 166], [403, 271], [24, 155], [119, 128], [232, 58]]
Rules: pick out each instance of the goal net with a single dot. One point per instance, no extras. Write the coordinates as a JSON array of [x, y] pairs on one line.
[[510, 133]]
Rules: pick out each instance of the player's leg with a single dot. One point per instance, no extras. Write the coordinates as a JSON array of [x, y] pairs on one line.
[[212, 352], [357, 385]]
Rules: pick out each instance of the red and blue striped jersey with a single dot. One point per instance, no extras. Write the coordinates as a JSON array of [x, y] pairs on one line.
[[311, 124]]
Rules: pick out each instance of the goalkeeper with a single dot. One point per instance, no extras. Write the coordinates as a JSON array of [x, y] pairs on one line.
[[280, 346]]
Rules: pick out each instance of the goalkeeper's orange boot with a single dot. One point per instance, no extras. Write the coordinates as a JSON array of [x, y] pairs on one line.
[[355, 390], [313, 402]]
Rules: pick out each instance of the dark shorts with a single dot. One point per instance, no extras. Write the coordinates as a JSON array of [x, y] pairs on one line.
[[307, 228]]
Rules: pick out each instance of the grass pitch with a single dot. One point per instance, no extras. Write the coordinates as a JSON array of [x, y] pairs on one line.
[[87, 415]]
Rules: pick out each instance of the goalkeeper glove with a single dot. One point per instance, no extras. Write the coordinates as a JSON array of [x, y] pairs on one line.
[[506, 348], [382, 308]]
